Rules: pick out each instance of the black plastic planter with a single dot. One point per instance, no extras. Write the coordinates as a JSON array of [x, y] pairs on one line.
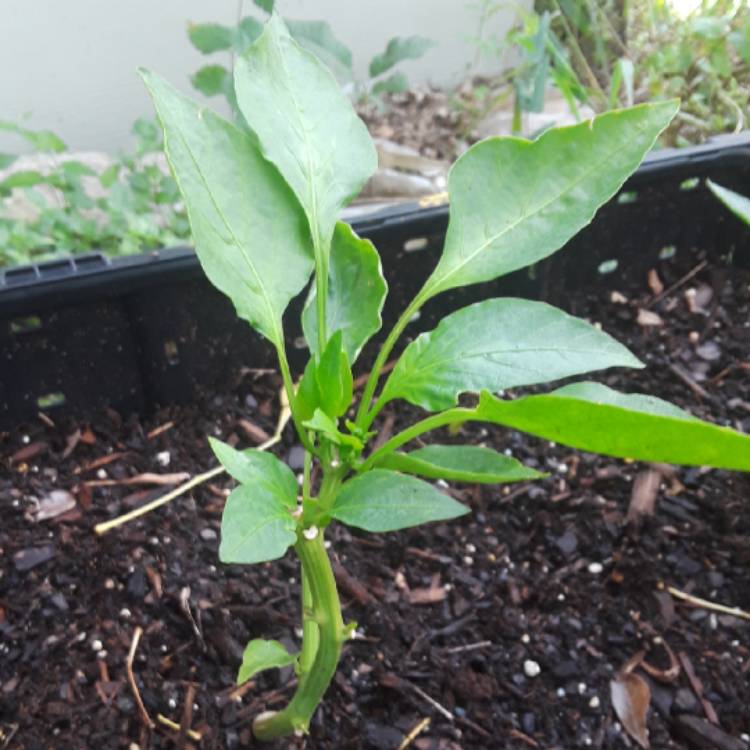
[[81, 334]]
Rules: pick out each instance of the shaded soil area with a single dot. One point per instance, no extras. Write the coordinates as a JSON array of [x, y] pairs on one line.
[[504, 629]]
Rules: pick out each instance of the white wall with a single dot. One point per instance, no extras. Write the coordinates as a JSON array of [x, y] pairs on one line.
[[69, 65]]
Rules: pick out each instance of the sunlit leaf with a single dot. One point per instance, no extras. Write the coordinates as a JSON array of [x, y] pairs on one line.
[[399, 48], [261, 654]]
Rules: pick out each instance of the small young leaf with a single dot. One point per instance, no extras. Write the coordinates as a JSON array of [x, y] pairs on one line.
[[317, 37], [356, 293], [41, 140], [212, 80], [210, 37], [460, 463], [326, 426], [258, 469], [593, 417], [498, 344], [382, 500], [738, 204], [246, 33], [261, 654], [327, 384], [257, 252], [514, 202], [305, 125], [266, 5], [23, 179], [393, 84], [256, 526], [398, 49]]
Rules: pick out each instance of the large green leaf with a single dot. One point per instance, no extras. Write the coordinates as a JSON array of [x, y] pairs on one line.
[[318, 38], [261, 654], [738, 204], [398, 49], [595, 418], [250, 233], [356, 293], [392, 84], [210, 37], [514, 202], [498, 344], [258, 469], [256, 526], [382, 500], [305, 125], [460, 463]]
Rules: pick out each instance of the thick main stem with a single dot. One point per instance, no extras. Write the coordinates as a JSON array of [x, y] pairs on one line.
[[326, 612]]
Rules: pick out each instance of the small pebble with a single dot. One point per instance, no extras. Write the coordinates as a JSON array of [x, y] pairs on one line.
[[101, 474], [581, 688], [594, 702], [471, 549], [125, 613], [163, 458], [531, 668], [208, 535], [525, 638], [560, 692], [595, 568], [468, 560], [96, 645]]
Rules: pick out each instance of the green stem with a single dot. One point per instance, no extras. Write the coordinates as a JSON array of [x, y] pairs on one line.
[[364, 420], [326, 611], [286, 374], [310, 633], [451, 416]]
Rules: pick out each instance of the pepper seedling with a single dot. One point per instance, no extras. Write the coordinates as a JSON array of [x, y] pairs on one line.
[[264, 205]]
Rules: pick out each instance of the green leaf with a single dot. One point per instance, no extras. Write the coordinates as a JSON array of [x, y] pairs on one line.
[[305, 125], [593, 417], [256, 526], [211, 80], [247, 31], [255, 251], [399, 48], [24, 179], [738, 204], [41, 140], [210, 37], [258, 469], [498, 344], [326, 384], [318, 38], [460, 463], [356, 293], [326, 426], [7, 159], [261, 654], [266, 5], [393, 84], [382, 500], [514, 202]]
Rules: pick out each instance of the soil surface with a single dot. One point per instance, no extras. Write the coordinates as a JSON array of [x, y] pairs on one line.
[[504, 628]]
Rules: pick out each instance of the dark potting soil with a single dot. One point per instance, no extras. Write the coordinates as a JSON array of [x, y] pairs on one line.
[[504, 628]]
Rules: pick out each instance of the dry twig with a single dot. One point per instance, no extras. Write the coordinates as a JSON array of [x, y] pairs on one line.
[[145, 718], [103, 528], [414, 733]]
